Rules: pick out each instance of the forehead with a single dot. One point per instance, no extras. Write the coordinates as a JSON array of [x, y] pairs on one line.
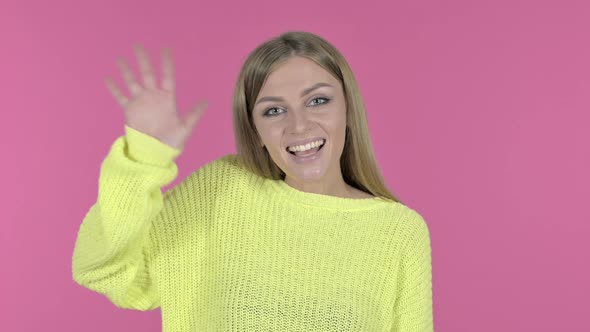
[[297, 73]]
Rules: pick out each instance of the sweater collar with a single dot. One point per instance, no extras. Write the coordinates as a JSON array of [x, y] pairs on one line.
[[319, 200]]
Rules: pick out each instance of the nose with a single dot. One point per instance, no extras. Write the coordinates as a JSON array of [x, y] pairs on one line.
[[299, 120]]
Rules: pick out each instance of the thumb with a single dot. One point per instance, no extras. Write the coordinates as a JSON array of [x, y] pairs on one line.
[[195, 114]]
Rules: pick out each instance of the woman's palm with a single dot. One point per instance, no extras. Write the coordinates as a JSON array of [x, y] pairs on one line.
[[150, 109]]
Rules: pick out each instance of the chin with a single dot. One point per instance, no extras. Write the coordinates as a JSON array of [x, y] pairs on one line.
[[312, 172]]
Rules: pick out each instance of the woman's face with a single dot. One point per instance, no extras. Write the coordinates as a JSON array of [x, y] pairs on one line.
[[302, 102]]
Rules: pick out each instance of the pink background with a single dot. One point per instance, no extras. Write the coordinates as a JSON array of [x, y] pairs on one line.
[[478, 110]]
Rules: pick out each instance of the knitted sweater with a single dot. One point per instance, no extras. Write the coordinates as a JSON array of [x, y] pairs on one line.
[[227, 250]]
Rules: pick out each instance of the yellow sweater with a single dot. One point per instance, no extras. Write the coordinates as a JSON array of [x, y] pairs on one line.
[[226, 250]]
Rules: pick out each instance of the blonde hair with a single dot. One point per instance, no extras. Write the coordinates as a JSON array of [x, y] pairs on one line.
[[358, 164]]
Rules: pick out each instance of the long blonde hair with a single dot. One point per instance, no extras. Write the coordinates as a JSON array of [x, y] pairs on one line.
[[358, 165]]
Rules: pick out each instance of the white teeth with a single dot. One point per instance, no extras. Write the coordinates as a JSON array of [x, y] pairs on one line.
[[301, 148]]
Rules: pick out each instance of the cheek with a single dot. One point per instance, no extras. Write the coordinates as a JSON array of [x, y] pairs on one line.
[[271, 137], [337, 113], [335, 124]]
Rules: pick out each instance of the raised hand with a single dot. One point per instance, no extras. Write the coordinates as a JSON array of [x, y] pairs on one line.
[[152, 109]]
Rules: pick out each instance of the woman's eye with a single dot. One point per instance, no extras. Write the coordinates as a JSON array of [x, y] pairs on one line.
[[325, 100], [269, 112]]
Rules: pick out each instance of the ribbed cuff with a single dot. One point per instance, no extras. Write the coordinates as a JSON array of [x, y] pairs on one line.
[[145, 148]]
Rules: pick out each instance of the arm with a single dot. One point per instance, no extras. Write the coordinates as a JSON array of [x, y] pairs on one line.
[[413, 305], [112, 254]]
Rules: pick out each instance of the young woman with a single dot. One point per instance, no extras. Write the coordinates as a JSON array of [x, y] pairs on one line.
[[295, 232]]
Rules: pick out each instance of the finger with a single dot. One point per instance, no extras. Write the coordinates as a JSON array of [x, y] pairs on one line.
[[132, 85], [196, 113], [119, 96], [167, 70], [145, 67]]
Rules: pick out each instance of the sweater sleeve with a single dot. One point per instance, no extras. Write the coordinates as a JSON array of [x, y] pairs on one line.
[[112, 253], [413, 305]]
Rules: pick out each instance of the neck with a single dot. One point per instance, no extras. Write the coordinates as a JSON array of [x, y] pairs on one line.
[[328, 185]]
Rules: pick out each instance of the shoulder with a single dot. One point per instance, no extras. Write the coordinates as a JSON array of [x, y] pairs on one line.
[[225, 172], [416, 233], [225, 168], [409, 223], [213, 179]]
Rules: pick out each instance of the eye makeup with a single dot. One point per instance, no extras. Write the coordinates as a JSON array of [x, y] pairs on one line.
[[326, 100]]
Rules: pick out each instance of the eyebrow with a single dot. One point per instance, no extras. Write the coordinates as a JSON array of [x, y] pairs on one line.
[[305, 92]]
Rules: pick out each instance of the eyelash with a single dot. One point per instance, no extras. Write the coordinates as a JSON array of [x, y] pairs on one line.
[[327, 100]]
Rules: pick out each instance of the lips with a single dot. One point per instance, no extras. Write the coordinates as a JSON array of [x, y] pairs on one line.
[[303, 142], [308, 159], [319, 148]]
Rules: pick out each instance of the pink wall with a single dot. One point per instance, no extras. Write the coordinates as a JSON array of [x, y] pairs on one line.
[[479, 113]]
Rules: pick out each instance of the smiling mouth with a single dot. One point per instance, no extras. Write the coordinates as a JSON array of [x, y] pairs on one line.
[[320, 147]]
